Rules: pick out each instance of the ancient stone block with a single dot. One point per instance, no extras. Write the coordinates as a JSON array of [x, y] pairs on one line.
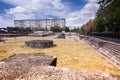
[[39, 44], [61, 36], [30, 60], [32, 67]]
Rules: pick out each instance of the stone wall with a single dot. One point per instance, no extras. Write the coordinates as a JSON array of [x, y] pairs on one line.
[[39, 44]]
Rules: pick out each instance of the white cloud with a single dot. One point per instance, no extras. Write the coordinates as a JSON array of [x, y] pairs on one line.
[[24, 16], [80, 17], [16, 10], [43, 7], [94, 1], [30, 9], [5, 22]]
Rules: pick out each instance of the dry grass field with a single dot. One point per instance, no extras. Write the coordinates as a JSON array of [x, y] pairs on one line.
[[69, 53]]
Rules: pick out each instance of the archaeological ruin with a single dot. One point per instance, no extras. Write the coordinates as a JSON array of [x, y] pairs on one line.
[[39, 44], [109, 50], [36, 67]]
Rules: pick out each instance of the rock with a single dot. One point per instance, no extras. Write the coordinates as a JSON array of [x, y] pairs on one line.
[[39, 44], [61, 36]]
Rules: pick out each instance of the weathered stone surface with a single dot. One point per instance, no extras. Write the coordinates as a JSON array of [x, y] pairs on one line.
[[29, 59], [30, 67], [16, 71], [39, 44], [61, 36], [41, 33]]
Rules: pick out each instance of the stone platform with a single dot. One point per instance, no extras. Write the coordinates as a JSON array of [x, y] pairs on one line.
[[35, 67], [29, 59], [61, 36], [39, 44]]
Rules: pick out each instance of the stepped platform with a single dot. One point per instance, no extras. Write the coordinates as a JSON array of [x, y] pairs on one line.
[[108, 49]]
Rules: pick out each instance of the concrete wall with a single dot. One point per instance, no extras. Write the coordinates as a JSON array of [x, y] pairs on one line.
[[45, 23]]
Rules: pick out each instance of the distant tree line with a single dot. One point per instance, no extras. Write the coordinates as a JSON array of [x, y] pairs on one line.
[[19, 29], [28, 29], [60, 29]]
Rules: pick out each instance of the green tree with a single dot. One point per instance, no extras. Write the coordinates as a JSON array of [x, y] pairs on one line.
[[82, 30], [66, 29], [19, 29], [56, 29], [108, 16], [77, 30]]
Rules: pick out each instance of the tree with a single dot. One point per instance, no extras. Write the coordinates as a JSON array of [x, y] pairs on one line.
[[82, 30], [77, 30], [56, 29], [39, 29], [108, 16], [19, 29], [66, 29]]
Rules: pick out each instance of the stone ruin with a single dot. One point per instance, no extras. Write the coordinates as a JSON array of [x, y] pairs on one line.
[[36, 67], [109, 50], [39, 44], [61, 36], [1, 39], [30, 59], [41, 33]]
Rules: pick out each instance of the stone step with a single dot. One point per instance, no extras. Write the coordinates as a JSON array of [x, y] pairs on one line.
[[109, 57], [113, 46], [112, 58], [113, 54], [112, 50]]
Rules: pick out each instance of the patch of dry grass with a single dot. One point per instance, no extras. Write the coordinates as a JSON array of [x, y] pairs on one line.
[[69, 53]]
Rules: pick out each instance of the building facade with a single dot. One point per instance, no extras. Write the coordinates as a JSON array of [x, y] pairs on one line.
[[43, 23]]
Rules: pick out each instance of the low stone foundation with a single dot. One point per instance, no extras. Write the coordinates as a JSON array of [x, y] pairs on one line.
[[39, 44], [2, 40], [36, 67], [61, 36], [41, 33], [29, 59]]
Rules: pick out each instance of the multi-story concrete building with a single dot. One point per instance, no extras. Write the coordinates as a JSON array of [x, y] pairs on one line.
[[43, 23]]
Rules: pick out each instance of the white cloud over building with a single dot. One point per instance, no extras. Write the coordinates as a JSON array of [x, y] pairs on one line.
[[37, 9]]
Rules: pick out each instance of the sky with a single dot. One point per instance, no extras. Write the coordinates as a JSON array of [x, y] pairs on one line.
[[76, 12]]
